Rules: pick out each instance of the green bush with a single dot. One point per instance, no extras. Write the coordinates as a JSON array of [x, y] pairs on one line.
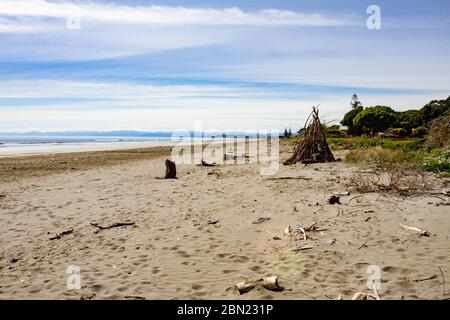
[[375, 119], [419, 132], [439, 164], [398, 132]]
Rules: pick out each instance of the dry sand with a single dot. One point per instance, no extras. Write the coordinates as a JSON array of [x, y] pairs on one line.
[[194, 238]]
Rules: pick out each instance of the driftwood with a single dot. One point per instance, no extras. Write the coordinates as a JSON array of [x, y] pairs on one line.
[[270, 283], [434, 276], [206, 164], [171, 170], [305, 247], [359, 296], [443, 278], [421, 232], [244, 287], [59, 235], [114, 225], [303, 233], [333, 199], [261, 220], [314, 146], [290, 178]]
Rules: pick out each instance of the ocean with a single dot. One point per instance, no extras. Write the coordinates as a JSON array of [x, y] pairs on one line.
[[30, 144]]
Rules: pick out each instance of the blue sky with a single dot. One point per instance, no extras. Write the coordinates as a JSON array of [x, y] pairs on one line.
[[234, 65]]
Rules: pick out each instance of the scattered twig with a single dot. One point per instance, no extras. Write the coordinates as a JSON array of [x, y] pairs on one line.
[[261, 220], [359, 196], [305, 247], [290, 178], [213, 222], [134, 297], [363, 245], [303, 232], [443, 278], [425, 279], [114, 225], [59, 235]]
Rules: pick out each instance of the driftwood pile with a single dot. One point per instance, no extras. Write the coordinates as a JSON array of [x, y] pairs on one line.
[[313, 147]]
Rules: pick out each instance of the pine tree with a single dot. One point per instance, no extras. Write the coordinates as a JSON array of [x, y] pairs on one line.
[[285, 133], [355, 103]]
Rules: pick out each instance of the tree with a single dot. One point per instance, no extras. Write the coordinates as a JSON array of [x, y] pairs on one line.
[[355, 103], [285, 133], [434, 109], [375, 119], [348, 120], [289, 133]]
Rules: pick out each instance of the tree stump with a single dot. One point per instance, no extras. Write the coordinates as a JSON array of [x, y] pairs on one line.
[[171, 170]]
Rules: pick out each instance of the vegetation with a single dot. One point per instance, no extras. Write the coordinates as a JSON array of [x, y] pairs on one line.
[[376, 119], [287, 133], [386, 170], [384, 140]]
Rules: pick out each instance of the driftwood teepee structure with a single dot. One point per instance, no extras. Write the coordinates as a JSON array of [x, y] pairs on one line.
[[314, 146]]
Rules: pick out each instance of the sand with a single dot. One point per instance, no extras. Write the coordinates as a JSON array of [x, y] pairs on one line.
[[194, 237]]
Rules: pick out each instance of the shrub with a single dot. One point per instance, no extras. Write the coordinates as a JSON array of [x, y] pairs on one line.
[[439, 134], [386, 171], [419, 132], [439, 164], [398, 132], [375, 119]]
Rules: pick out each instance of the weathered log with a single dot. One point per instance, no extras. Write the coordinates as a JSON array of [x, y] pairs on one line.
[[206, 164], [171, 170]]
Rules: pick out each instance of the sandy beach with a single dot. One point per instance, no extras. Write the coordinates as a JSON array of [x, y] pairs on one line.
[[195, 237]]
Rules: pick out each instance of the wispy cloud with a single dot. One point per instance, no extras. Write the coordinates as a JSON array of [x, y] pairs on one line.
[[165, 15], [133, 66]]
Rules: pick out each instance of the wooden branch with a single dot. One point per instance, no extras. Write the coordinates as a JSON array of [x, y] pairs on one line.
[[425, 279], [114, 225], [289, 178], [305, 247], [363, 245], [59, 235], [443, 278]]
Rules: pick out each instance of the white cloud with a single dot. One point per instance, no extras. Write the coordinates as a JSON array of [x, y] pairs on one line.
[[162, 14], [115, 106]]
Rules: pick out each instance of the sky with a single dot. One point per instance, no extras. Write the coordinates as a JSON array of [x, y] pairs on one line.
[[231, 65]]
